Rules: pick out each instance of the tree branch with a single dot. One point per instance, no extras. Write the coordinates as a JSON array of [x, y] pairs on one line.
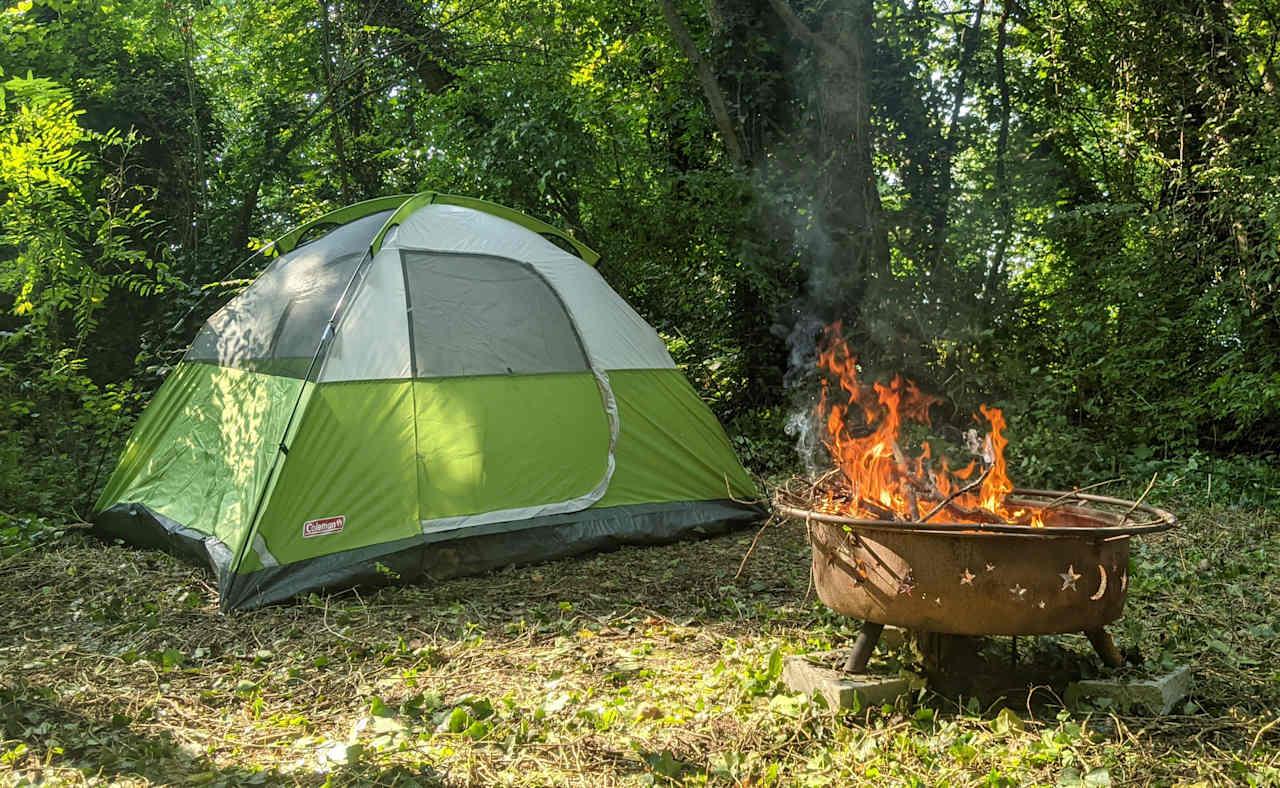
[[710, 87], [796, 27], [1002, 152]]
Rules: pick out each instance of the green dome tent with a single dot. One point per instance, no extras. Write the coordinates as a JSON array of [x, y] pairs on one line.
[[423, 384]]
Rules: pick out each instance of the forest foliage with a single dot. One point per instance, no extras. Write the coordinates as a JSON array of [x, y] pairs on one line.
[[1065, 207]]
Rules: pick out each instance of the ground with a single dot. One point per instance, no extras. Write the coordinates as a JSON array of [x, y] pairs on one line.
[[643, 666]]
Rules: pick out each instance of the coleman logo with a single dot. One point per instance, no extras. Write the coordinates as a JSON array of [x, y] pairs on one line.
[[329, 525]]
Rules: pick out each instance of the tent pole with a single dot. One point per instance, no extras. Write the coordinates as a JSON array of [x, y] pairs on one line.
[[330, 329]]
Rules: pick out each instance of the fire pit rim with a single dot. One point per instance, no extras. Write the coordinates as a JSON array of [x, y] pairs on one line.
[[1164, 520]]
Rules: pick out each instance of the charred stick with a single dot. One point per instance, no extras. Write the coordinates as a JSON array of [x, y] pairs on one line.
[[971, 514], [860, 431], [924, 490], [882, 512], [983, 516], [929, 480], [957, 493], [912, 504], [975, 514], [898, 456]]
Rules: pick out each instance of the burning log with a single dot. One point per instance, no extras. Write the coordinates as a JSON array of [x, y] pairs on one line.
[[881, 512], [961, 491]]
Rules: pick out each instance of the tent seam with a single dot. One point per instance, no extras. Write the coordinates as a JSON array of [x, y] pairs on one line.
[[413, 389]]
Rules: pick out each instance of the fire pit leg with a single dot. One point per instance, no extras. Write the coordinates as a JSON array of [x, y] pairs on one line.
[[860, 654], [1106, 647]]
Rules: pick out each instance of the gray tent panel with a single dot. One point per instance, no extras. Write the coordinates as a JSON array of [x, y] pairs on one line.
[[486, 315], [274, 325]]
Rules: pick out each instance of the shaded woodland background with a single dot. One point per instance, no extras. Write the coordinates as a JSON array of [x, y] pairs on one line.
[[1067, 208]]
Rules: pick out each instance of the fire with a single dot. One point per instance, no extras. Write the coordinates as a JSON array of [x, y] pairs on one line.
[[863, 426]]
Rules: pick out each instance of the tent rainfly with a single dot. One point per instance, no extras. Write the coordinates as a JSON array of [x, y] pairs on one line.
[[419, 386]]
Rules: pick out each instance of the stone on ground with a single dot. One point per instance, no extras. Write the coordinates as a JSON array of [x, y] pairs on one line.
[[1157, 695], [809, 674]]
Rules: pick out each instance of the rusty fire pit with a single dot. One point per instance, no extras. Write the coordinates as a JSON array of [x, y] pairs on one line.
[[1068, 575], [900, 536]]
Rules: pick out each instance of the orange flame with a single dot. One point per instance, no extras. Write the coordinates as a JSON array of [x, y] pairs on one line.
[[863, 436]]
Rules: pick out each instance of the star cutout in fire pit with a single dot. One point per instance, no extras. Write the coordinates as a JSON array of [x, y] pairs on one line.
[[966, 579], [1069, 578], [1018, 591]]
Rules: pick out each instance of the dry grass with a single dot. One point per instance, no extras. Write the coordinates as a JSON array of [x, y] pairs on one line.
[[643, 666]]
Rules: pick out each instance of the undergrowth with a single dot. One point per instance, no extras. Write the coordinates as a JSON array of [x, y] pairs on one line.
[[647, 666]]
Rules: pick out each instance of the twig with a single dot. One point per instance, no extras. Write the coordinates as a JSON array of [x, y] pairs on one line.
[[743, 565], [883, 512], [729, 490], [926, 473], [324, 622], [12, 557], [1073, 493], [808, 537], [1258, 737], [1032, 691], [1138, 502], [971, 485], [823, 478]]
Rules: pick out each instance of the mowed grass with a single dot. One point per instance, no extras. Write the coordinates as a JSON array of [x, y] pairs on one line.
[[640, 667]]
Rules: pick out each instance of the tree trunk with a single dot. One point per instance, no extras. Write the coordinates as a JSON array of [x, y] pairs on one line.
[[846, 196]]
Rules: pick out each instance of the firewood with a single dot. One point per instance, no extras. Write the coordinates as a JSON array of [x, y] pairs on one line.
[[957, 493], [881, 512], [924, 489], [927, 480], [974, 514]]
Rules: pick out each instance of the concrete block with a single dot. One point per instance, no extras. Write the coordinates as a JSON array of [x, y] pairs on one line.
[[804, 674], [1157, 695]]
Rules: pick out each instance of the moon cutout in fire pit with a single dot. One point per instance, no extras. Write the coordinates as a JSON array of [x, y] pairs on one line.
[[1102, 584]]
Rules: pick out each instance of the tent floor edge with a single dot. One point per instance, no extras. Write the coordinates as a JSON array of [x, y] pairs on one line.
[[430, 558], [140, 526]]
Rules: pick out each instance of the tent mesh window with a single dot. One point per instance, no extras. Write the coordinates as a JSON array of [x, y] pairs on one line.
[[276, 324], [484, 315]]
